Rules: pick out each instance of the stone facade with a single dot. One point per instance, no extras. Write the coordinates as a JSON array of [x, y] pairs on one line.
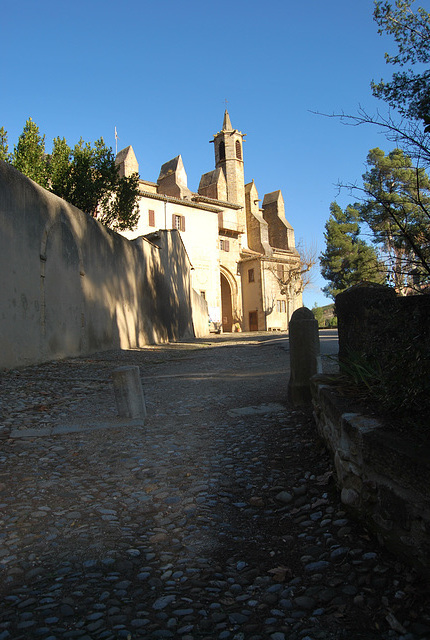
[[238, 251]]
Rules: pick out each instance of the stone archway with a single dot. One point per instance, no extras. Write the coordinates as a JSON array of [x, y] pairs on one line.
[[226, 305]]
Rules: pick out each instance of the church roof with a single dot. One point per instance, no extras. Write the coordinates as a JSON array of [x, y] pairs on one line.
[[274, 196], [122, 155], [170, 167]]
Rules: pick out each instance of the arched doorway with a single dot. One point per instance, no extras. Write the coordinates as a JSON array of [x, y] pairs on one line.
[[226, 305]]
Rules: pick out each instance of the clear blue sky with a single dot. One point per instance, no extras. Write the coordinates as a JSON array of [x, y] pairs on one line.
[[161, 71]]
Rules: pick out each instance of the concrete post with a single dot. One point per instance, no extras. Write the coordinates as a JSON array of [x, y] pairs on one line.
[[305, 358], [129, 396]]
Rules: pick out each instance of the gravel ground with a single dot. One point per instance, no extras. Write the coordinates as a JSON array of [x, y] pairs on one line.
[[220, 518]]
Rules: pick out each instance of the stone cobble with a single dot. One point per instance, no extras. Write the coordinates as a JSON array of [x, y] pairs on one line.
[[219, 518]]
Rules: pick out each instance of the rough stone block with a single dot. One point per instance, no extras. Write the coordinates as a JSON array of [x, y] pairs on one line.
[[129, 396]]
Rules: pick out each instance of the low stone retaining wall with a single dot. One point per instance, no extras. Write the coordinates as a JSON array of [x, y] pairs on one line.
[[384, 479]]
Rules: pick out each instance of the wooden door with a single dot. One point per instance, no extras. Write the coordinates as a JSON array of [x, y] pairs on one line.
[[253, 320]]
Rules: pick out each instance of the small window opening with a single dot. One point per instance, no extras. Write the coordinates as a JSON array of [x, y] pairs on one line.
[[222, 150], [238, 150]]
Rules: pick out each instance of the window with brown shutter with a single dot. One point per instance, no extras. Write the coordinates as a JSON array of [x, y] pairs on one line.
[[224, 244], [251, 277], [178, 222], [151, 218]]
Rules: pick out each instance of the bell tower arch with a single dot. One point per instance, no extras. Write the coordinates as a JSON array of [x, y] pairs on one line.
[[229, 157]]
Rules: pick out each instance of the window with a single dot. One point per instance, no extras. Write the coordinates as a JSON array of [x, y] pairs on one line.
[[280, 270], [178, 222], [281, 306], [224, 245], [151, 218], [203, 294], [251, 277], [222, 150], [238, 150]]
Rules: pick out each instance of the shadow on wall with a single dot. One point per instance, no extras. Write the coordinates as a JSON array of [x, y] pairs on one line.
[[70, 286]]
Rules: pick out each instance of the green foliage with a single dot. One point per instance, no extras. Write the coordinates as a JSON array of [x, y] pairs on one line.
[[59, 168], [318, 314], [29, 154], [4, 149], [93, 176], [92, 183], [396, 208], [124, 200], [325, 316], [86, 176], [347, 260], [396, 380], [408, 92]]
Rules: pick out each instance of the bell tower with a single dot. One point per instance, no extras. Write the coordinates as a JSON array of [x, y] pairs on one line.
[[229, 157]]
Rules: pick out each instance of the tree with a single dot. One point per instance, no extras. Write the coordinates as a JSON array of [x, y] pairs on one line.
[[347, 260], [88, 178], [4, 149], [29, 154], [318, 314], [59, 168], [408, 92], [294, 278], [396, 207], [92, 176], [121, 211]]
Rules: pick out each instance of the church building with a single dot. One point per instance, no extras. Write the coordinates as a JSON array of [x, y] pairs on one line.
[[243, 256]]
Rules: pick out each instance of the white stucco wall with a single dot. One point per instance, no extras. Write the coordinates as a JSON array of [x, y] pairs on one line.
[[200, 239]]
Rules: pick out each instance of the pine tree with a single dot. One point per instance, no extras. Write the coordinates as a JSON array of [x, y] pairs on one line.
[[29, 154], [408, 91], [4, 149], [396, 207], [347, 260]]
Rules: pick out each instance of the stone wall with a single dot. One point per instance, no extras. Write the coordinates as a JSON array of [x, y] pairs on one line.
[[384, 479], [200, 314], [70, 286], [372, 319], [383, 472]]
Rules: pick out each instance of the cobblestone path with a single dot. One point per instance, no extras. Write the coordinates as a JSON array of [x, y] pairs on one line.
[[219, 518]]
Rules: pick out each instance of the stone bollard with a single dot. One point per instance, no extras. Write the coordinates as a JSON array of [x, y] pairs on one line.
[[129, 397], [305, 358]]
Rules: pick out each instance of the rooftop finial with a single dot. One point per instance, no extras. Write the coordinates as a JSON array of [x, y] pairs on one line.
[[226, 125]]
